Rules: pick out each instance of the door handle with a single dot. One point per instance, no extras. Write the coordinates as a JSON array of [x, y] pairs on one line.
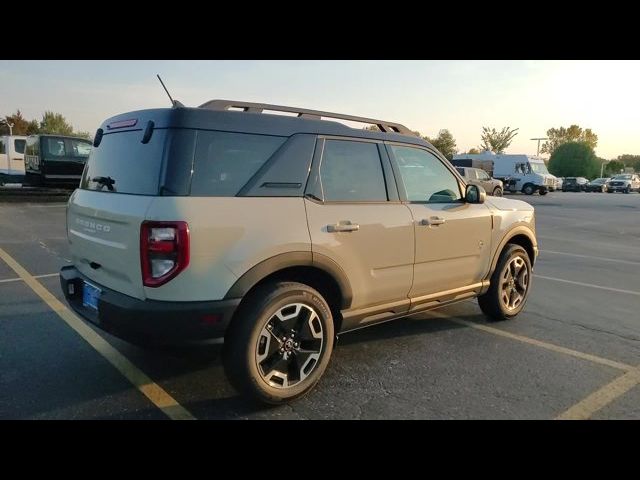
[[432, 221], [343, 226]]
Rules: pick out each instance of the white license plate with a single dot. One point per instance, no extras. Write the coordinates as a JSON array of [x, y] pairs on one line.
[[90, 295]]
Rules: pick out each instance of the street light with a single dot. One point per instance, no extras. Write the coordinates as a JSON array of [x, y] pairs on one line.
[[539, 139], [10, 125]]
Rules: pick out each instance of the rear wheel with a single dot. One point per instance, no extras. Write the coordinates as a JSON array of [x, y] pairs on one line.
[[279, 343], [497, 192], [543, 191], [528, 189], [510, 285]]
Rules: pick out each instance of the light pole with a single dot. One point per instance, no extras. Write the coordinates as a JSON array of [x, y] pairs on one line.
[[10, 125], [602, 169], [539, 139]]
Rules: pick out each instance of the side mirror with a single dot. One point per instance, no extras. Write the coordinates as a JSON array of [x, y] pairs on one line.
[[475, 194]]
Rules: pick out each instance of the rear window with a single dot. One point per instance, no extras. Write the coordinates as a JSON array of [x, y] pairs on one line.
[[124, 162], [18, 145], [224, 162]]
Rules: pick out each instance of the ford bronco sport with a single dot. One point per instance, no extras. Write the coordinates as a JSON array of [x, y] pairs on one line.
[[277, 232]]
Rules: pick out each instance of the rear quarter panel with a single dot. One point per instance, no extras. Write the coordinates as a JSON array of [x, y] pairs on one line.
[[228, 236]]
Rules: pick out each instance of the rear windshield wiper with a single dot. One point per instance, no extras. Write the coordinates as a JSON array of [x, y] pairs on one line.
[[104, 181]]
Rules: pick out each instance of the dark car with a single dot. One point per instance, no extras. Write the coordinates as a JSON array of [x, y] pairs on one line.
[[574, 184], [55, 160], [597, 185]]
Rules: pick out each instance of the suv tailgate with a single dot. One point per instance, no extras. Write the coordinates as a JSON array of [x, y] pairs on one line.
[[104, 236]]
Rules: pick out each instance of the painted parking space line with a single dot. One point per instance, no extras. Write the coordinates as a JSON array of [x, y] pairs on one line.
[[18, 279], [591, 285], [604, 259], [585, 409], [156, 394], [537, 343]]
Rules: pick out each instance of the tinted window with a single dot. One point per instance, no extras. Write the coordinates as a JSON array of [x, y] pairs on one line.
[[80, 148], [352, 172], [425, 177], [18, 145], [2, 146], [460, 170], [134, 167], [224, 162], [54, 147]]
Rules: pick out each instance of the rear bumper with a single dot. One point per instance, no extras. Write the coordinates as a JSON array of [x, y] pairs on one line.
[[149, 320]]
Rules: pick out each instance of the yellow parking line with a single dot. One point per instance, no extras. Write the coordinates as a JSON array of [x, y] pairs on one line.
[[18, 279], [584, 409], [537, 343], [158, 396]]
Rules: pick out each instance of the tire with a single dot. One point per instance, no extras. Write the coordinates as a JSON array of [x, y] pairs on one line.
[[251, 346], [528, 189], [497, 192], [543, 191], [627, 190], [492, 302]]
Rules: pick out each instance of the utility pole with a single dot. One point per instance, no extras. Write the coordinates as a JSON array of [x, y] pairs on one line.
[[539, 139]]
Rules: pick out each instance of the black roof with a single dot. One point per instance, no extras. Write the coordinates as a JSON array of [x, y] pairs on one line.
[[246, 122]]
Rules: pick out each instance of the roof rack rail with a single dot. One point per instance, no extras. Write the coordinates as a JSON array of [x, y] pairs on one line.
[[304, 113]]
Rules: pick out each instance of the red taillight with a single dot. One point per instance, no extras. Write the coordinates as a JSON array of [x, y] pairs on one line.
[[164, 251]]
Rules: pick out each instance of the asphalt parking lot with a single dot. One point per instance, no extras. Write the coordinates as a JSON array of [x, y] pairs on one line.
[[573, 353]]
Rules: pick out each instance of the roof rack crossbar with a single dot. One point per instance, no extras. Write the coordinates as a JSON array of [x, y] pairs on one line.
[[304, 113]]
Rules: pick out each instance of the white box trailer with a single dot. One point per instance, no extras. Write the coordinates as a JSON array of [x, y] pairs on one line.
[[12, 158], [518, 172]]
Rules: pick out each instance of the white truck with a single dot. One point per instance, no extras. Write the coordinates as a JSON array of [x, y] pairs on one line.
[[519, 173], [12, 158]]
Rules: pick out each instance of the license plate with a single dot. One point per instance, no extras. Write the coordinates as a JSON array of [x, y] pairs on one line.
[[90, 295]]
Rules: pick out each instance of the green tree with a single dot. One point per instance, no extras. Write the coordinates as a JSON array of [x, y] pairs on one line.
[[33, 127], [495, 141], [613, 167], [444, 142], [630, 161], [55, 123], [473, 151], [559, 136], [20, 124], [86, 135], [574, 159]]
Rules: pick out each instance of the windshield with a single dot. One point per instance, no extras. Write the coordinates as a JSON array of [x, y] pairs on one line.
[[622, 177], [539, 167], [599, 180]]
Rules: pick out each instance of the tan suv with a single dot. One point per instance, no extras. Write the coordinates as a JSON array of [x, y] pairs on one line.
[[277, 232]]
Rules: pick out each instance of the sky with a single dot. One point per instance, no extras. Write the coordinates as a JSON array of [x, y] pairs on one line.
[[426, 95]]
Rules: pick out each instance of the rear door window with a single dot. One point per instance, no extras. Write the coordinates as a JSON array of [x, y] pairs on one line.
[[122, 161], [3, 149], [224, 161], [352, 172], [79, 148]]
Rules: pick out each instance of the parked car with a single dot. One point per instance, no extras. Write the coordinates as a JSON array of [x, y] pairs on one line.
[[559, 181], [477, 176], [55, 160], [277, 232], [574, 184], [12, 158], [597, 185], [625, 182]]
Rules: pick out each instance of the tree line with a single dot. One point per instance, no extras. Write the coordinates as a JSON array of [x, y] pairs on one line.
[[571, 150], [51, 122]]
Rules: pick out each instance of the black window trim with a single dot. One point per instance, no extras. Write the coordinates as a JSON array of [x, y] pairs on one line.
[[314, 191], [462, 184]]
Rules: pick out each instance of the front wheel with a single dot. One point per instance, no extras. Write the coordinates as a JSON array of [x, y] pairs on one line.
[[543, 191], [279, 343], [510, 285], [497, 192], [627, 190]]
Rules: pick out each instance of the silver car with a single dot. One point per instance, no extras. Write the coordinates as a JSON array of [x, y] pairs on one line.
[[477, 176]]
